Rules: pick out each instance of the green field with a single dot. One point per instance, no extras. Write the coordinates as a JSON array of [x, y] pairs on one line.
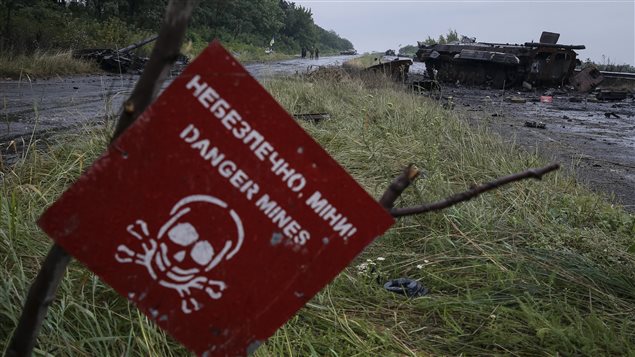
[[535, 268]]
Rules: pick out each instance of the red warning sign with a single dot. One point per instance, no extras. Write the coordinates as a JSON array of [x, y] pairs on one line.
[[215, 213]]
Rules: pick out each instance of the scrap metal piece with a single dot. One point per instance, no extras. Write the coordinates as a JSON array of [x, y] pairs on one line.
[[534, 124], [587, 79], [119, 61], [549, 37], [612, 95], [397, 69], [314, 117]]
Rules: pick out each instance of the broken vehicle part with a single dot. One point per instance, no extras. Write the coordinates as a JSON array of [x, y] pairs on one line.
[[611, 95], [118, 61], [397, 69], [314, 117], [534, 124], [587, 79]]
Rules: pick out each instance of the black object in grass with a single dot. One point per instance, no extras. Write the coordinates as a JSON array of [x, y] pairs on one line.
[[408, 287]]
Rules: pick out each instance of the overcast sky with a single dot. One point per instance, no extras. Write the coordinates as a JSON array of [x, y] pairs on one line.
[[605, 27]]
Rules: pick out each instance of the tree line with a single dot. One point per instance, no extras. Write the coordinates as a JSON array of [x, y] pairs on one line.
[[27, 25]]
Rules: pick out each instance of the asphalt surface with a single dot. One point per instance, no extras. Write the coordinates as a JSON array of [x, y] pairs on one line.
[[36, 108]]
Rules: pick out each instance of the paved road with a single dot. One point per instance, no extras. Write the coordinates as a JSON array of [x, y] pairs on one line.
[[42, 106]]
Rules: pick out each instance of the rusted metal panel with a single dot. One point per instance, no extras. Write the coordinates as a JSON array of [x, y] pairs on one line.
[[489, 56], [549, 37], [397, 69], [587, 79]]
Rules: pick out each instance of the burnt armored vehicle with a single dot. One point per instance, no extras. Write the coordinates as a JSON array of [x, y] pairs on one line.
[[116, 61], [544, 63]]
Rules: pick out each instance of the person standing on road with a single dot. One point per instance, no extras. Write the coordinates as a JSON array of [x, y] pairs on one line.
[[317, 53], [310, 53]]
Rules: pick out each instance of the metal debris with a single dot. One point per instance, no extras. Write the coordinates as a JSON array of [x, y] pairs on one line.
[[535, 124], [397, 69], [118, 61], [611, 95], [314, 117], [515, 99], [587, 79]]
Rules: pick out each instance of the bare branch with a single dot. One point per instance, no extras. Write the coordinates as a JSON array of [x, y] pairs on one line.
[[473, 192], [41, 295], [164, 54], [398, 185], [42, 291]]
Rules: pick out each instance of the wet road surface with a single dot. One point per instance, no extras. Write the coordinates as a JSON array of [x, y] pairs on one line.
[[33, 108], [579, 133]]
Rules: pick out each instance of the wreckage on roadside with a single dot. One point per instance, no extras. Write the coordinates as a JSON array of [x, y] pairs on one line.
[[544, 63], [117, 61]]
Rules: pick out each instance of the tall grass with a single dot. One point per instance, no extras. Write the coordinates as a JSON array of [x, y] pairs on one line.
[[538, 268], [43, 64]]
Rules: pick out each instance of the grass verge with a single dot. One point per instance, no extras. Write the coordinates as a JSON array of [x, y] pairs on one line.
[[43, 64], [538, 268], [364, 61], [245, 53]]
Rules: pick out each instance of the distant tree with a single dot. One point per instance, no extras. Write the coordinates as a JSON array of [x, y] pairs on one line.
[[408, 50], [429, 41], [451, 36], [106, 23]]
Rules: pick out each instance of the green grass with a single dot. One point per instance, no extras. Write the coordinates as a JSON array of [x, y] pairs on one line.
[[43, 64], [245, 53], [536, 268], [48, 64]]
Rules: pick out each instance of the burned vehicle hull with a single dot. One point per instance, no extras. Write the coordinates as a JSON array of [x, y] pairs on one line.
[[396, 69], [542, 63], [116, 61]]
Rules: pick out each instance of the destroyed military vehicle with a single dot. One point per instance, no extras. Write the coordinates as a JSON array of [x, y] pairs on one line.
[[544, 63], [117, 61]]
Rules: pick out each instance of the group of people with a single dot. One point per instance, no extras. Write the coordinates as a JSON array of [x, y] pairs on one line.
[[314, 53]]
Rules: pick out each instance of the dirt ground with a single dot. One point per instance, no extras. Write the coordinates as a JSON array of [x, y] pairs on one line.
[[579, 132]]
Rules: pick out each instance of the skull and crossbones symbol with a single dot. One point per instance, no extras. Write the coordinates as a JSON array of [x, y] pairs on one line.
[[181, 255]]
